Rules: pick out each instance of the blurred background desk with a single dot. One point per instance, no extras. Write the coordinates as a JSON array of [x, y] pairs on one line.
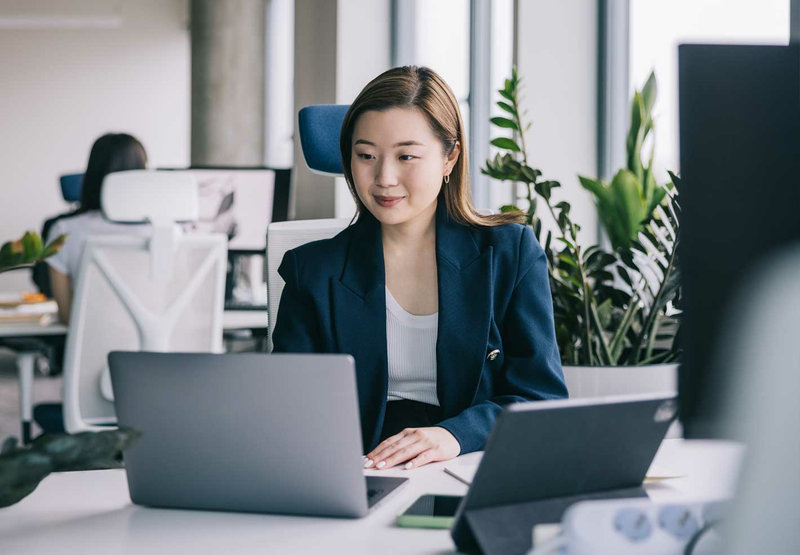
[[27, 341]]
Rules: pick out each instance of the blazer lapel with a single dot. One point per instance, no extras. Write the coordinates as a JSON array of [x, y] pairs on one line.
[[359, 319], [465, 308]]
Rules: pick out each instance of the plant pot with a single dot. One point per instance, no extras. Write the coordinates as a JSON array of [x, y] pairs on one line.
[[602, 381]]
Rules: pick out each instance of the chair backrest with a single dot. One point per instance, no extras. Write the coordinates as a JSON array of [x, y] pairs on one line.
[[319, 128], [284, 236], [71, 186], [162, 293]]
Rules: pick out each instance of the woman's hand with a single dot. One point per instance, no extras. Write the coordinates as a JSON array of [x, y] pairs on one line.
[[418, 446]]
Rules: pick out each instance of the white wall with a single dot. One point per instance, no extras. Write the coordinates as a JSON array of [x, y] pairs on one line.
[[340, 45], [363, 51], [557, 54], [64, 87]]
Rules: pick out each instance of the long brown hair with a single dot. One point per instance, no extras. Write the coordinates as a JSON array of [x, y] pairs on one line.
[[423, 89]]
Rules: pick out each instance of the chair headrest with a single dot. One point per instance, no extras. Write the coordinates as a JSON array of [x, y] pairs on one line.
[[320, 126], [159, 197], [71, 186]]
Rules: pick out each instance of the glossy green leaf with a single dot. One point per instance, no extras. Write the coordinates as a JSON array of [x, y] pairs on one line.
[[530, 173], [26, 251], [507, 107], [563, 257], [506, 143], [649, 92], [504, 123]]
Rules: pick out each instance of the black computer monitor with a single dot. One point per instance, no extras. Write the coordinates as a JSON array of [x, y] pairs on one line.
[[740, 198]]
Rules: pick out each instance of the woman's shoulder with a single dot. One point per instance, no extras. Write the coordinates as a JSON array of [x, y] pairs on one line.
[[515, 249], [515, 239]]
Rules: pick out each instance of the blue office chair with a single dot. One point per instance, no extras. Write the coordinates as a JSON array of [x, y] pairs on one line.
[[320, 126], [71, 186]]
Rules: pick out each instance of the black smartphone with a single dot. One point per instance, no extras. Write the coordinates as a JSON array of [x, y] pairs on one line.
[[430, 511]]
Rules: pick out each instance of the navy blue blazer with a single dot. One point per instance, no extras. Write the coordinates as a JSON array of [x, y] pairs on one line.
[[494, 293]]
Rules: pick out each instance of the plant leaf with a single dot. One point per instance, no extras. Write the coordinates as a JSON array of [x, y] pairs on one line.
[[507, 107], [506, 143], [504, 123]]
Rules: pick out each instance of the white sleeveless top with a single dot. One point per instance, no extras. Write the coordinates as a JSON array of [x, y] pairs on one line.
[[411, 350]]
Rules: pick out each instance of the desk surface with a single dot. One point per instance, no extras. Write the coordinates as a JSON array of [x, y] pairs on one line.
[[91, 512], [31, 330], [231, 319]]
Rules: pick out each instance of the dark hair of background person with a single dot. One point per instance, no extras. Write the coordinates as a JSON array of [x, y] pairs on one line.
[[422, 89], [113, 152]]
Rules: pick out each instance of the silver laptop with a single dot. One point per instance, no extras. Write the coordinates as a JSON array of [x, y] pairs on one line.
[[246, 432]]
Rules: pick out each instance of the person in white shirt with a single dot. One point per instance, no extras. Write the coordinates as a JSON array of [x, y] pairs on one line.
[[110, 153]]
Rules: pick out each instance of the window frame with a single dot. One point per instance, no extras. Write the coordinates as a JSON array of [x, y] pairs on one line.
[[480, 86]]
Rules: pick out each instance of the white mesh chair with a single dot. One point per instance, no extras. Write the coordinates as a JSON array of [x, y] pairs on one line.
[[159, 293], [285, 236]]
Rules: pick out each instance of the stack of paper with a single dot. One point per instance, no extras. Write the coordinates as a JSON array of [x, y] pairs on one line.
[[16, 308]]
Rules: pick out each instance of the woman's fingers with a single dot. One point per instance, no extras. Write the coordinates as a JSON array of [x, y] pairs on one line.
[[418, 446], [392, 448], [401, 455], [422, 459], [372, 457]]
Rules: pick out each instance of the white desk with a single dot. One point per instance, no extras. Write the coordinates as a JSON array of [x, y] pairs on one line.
[[231, 320], [91, 513], [25, 359]]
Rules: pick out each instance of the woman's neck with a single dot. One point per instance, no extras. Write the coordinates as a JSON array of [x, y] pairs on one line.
[[417, 232]]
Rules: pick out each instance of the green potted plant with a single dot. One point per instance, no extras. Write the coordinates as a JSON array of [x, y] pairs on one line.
[[615, 308], [25, 252], [23, 468]]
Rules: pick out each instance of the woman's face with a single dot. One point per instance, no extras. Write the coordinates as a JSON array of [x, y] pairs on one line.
[[398, 164]]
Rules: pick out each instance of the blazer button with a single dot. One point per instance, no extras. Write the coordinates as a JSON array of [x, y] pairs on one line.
[[493, 354]]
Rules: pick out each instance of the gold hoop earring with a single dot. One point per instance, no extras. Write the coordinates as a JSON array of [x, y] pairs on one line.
[[447, 178]]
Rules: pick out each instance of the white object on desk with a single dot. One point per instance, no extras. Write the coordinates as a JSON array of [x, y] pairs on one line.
[[15, 310], [637, 527], [91, 512]]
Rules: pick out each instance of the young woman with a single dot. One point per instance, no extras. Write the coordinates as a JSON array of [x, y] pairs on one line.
[[113, 152], [447, 312]]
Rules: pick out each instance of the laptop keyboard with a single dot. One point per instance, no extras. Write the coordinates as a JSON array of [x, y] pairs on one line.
[[379, 487]]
